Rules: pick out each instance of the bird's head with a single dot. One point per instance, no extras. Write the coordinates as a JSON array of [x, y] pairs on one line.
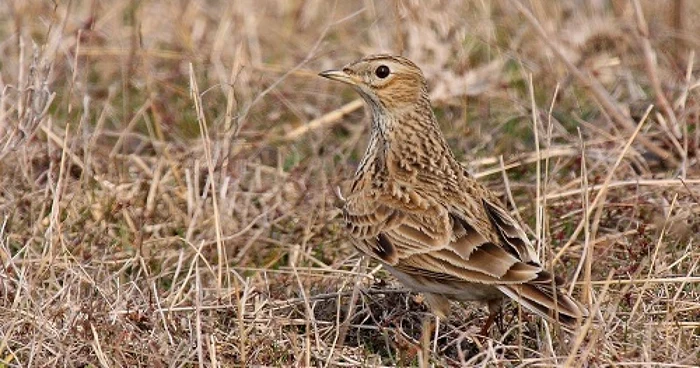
[[389, 84]]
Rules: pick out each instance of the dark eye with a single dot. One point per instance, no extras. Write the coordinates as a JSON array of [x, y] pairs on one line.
[[382, 71]]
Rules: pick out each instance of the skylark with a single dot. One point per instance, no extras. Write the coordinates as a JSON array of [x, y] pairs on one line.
[[414, 208]]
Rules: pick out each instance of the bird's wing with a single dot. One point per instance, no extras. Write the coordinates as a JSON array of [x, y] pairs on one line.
[[418, 235], [511, 235], [478, 242]]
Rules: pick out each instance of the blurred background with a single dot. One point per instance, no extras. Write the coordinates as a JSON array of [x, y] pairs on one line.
[[169, 173]]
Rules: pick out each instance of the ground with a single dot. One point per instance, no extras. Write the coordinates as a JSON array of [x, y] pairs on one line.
[[169, 170]]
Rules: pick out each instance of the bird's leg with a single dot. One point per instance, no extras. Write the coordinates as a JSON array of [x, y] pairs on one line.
[[494, 307], [425, 337], [489, 321], [440, 306]]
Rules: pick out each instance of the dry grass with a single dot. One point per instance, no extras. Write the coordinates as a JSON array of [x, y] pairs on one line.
[[168, 171]]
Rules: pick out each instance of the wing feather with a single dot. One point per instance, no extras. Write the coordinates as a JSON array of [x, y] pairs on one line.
[[510, 233], [453, 246], [438, 236]]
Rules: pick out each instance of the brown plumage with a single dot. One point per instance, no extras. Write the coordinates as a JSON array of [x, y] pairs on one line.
[[414, 208]]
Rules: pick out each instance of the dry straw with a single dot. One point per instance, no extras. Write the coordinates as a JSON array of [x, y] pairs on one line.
[[168, 169]]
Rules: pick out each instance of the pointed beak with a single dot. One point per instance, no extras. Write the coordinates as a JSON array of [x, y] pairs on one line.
[[338, 75]]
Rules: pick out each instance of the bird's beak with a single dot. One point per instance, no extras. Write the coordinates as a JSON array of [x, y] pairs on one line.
[[338, 75]]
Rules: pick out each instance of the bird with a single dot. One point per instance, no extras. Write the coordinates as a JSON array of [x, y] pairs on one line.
[[415, 209]]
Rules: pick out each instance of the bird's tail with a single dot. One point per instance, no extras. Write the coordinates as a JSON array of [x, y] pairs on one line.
[[544, 298]]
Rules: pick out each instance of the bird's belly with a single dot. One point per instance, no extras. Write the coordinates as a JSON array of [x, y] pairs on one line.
[[456, 290]]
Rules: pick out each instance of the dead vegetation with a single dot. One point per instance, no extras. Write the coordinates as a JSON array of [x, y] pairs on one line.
[[168, 175]]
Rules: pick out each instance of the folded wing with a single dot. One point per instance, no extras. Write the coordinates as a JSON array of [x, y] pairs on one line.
[[453, 245]]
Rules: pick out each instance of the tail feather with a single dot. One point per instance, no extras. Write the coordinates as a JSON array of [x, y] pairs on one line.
[[546, 301]]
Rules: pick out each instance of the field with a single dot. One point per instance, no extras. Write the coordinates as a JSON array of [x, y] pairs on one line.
[[169, 170]]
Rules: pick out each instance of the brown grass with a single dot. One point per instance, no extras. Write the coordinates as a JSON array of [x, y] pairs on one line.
[[168, 174]]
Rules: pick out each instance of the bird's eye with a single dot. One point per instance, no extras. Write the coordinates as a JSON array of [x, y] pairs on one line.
[[382, 71]]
